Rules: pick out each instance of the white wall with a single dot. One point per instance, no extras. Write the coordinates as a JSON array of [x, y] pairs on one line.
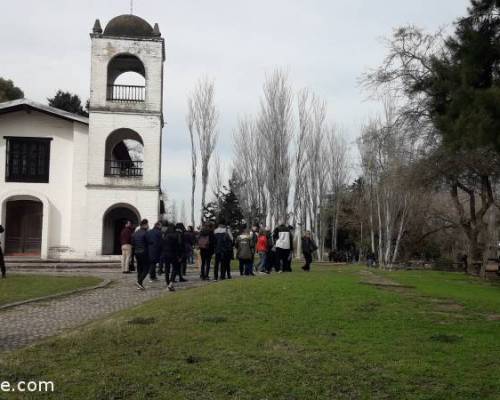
[[66, 182], [79, 220]]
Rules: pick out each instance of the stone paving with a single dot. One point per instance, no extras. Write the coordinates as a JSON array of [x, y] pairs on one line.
[[25, 324]]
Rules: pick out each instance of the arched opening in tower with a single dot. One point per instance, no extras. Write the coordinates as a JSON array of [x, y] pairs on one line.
[[124, 154], [126, 79], [114, 220]]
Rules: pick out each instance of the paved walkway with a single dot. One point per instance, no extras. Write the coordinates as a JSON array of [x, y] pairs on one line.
[[25, 324]]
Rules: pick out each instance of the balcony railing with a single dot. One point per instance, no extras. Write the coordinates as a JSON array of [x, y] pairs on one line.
[[126, 93], [124, 169]]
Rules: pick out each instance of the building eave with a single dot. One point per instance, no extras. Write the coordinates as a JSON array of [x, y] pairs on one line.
[[29, 105]]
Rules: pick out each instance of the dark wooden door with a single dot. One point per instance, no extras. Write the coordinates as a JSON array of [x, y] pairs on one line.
[[23, 228]]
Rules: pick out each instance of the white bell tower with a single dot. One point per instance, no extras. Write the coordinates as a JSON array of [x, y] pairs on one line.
[[126, 121]]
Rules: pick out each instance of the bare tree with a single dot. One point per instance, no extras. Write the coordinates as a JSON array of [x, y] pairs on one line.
[[183, 212], [387, 149], [173, 212], [339, 177], [190, 118], [205, 117], [300, 163], [275, 123], [316, 173], [218, 177], [249, 165]]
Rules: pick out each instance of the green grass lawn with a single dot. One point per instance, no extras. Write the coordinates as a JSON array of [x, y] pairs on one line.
[[474, 294], [322, 335], [22, 287]]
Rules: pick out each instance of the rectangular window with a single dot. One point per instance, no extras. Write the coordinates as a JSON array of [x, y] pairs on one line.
[[27, 159]]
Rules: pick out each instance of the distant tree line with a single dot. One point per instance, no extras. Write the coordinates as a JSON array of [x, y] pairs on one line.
[[431, 161], [63, 100]]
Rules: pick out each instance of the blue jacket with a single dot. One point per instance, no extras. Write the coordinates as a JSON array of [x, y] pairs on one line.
[[140, 243], [153, 237]]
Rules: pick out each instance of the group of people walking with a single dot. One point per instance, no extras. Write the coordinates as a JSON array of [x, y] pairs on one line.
[[164, 249], [168, 249]]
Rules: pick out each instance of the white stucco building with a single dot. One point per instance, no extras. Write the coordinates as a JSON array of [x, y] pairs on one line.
[[69, 183]]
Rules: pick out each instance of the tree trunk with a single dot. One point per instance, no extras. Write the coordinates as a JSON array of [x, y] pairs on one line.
[[400, 231], [299, 240], [372, 230], [193, 189], [388, 231], [473, 225], [204, 183], [361, 253], [380, 238]]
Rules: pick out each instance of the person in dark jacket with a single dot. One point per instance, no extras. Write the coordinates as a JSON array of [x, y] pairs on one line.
[[2, 261], [206, 244], [172, 249], [154, 249], [370, 259], [283, 241], [191, 241], [126, 246], [223, 251], [254, 234], [308, 248], [140, 244], [164, 228], [181, 231], [271, 252]]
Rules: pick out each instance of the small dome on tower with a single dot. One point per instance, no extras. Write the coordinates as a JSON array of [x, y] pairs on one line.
[[129, 25]]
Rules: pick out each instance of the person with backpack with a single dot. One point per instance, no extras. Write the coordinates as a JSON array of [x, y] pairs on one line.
[[308, 248], [244, 252], [206, 244], [172, 250], [223, 251], [153, 237], [140, 244], [261, 248], [283, 239]]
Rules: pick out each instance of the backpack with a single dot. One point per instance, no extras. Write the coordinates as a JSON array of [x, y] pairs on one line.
[[204, 242], [244, 248]]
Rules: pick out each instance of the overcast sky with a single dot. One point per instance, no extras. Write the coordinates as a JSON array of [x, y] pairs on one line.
[[324, 44]]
